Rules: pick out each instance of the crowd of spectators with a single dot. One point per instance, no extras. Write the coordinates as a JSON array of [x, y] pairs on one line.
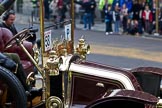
[[130, 17]]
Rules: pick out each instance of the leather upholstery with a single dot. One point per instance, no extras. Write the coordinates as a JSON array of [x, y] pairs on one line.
[[5, 36]]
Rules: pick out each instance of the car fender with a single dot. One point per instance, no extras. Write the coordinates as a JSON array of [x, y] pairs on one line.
[[125, 99]]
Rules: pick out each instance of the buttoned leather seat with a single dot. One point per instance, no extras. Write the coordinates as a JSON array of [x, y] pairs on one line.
[[5, 36]]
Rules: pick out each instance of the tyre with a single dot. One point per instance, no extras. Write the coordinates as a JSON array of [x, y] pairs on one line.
[[16, 96]]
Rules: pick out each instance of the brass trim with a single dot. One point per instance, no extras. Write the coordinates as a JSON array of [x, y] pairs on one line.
[[30, 78], [54, 102], [99, 84], [69, 89], [41, 71]]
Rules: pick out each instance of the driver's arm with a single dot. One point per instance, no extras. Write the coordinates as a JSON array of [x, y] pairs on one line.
[[5, 5]]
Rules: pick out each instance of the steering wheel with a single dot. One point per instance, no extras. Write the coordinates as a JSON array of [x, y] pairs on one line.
[[22, 35]]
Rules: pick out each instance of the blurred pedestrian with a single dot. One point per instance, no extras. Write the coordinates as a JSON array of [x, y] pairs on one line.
[[124, 17], [108, 17], [116, 19], [93, 7], [100, 7], [35, 9], [62, 9], [136, 10], [147, 17], [153, 10], [87, 17], [133, 27], [54, 9], [160, 22], [19, 5], [46, 9]]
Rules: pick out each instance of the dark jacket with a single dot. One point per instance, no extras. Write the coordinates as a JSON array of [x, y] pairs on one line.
[[93, 5], [86, 6], [108, 13], [11, 28], [136, 11]]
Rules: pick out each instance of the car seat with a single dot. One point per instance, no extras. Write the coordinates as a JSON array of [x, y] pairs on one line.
[[5, 36]]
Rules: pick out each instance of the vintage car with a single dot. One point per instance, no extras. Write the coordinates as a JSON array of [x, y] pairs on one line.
[[68, 80]]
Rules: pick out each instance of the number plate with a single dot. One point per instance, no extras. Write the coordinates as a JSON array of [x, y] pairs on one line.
[[68, 32], [47, 40]]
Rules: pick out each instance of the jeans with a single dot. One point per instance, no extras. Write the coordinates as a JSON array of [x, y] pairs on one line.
[[140, 26], [109, 26], [87, 19], [116, 26]]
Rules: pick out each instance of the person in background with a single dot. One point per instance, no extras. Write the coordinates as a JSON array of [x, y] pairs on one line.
[[108, 17], [124, 17], [160, 22], [140, 21], [100, 7], [35, 9], [87, 17], [62, 9], [129, 4], [19, 5], [132, 27], [153, 10], [8, 21], [147, 17], [93, 7], [136, 9], [53, 7], [116, 19], [46, 9]]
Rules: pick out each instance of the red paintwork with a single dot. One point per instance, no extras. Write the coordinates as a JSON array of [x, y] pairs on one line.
[[154, 70], [84, 89], [127, 96], [121, 70]]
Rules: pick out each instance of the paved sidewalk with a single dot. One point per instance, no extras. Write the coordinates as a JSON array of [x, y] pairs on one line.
[[99, 26]]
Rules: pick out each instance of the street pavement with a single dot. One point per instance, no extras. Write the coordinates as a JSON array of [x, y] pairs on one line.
[[106, 47], [107, 51]]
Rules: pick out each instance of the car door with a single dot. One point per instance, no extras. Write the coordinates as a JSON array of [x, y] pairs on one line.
[[89, 82]]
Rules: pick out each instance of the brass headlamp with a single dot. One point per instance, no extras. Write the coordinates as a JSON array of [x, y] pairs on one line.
[[52, 64], [82, 48]]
